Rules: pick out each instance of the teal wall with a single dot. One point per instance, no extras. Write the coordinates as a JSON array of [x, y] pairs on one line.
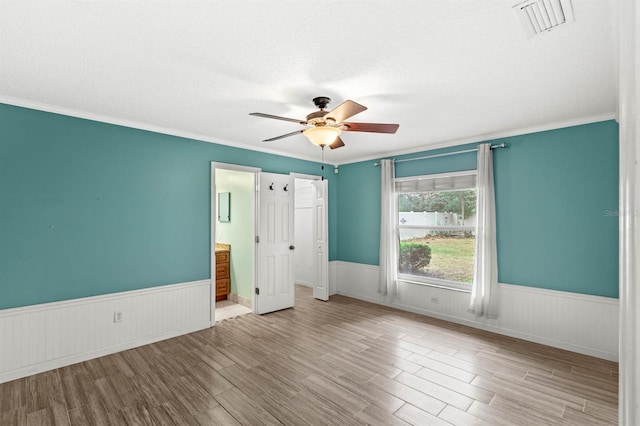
[[556, 204], [89, 208]]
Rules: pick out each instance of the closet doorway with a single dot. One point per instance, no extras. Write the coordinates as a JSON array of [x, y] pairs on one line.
[[311, 234]]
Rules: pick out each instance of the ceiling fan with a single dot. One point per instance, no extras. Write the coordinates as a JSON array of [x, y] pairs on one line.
[[324, 127]]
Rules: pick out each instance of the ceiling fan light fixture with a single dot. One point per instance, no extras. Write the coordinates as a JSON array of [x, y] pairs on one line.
[[324, 127], [322, 135]]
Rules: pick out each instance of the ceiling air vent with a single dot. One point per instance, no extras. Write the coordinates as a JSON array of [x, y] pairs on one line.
[[538, 16]]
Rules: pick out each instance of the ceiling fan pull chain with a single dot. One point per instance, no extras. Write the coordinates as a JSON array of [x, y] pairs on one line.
[[322, 146]]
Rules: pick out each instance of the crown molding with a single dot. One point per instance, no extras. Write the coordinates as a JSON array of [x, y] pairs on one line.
[[41, 106], [491, 136]]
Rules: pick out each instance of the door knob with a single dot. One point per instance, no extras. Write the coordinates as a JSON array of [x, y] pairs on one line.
[[292, 247]]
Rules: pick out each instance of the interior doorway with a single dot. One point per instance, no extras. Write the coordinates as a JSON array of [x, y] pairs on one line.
[[237, 220], [233, 230], [311, 234], [304, 263]]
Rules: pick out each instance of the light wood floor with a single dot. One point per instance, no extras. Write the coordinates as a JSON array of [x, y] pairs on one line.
[[342, 362]]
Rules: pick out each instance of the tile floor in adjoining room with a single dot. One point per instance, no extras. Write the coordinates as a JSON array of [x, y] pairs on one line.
[[226, 309]]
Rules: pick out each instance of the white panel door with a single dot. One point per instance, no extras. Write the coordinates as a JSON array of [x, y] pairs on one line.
[[320, 238], [275, 274]]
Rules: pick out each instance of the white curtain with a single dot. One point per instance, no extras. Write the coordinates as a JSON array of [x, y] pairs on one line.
[[388, 232], [485, 292]]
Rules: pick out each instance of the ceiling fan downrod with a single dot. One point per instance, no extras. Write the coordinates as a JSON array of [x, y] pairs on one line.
[[321, 101]]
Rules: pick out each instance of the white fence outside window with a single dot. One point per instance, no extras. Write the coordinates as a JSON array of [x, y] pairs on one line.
[[431, 220]]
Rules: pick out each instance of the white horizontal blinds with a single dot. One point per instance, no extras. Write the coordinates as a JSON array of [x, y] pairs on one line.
[[436, 183]]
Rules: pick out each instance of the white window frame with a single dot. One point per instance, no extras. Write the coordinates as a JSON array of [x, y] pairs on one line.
[[430, 281]]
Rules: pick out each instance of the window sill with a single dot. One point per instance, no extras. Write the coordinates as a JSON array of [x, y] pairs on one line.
[[443, 285]]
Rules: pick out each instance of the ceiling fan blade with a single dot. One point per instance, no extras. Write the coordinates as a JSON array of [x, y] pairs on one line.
[[345, 110], [371, 127], [277, 117], [284, 136], [337, 143]]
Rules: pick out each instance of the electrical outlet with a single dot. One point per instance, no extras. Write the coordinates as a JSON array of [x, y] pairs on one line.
[[117, 316], [435, 300]]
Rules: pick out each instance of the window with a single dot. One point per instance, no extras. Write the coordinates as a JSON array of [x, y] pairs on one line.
[[437, 228]]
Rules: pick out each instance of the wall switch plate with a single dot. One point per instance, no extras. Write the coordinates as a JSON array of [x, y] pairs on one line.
[[117, 316]]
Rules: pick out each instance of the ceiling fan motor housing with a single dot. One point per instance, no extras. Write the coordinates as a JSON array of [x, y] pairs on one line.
[[318, 119]]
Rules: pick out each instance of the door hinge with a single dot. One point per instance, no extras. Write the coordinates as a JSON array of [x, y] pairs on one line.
[[257, 239], [257, 290]]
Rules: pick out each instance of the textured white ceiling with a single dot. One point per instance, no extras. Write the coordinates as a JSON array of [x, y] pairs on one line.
[[444, 70]]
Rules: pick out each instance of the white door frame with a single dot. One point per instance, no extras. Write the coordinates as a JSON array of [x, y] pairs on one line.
[[212, 203], [316, 177], [629, 231]]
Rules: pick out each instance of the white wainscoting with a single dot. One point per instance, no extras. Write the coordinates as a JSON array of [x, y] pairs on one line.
[[576, 322], [42, 337], [333, 283]]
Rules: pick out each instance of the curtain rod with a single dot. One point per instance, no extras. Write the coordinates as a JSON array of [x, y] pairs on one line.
[[501, 145]]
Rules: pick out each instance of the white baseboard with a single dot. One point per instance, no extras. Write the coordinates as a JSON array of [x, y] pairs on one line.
[[333, 266], [51, 335], [575, 322], [332, 279]]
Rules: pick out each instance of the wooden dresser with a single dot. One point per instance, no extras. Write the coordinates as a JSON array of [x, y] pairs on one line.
[[223, 276]]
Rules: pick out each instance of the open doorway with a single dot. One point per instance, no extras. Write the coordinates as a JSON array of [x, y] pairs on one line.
[[247, 270], [233, 222], [311, 234], [304, 261]]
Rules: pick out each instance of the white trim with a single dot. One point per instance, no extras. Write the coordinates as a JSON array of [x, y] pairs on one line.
[[42, 337], [304, 176], [41, 307], [333, 277], [363, 266], [326, 267], [435, 282], [628, 38], [488, 136], [40, 106], [70, 112], [515, 287], [577, 322], [212, 237], [563, 294], [436, 227], [235, 167], [430, 281]]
